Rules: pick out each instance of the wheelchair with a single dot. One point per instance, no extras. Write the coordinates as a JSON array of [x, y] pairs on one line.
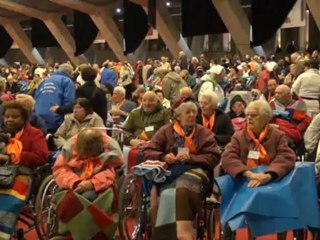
[[29, 218], [46, 223], [45, 218], [134, 204]]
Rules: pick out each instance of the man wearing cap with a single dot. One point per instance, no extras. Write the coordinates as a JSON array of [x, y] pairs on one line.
[[211, 81], [172, 83], [55, 96]]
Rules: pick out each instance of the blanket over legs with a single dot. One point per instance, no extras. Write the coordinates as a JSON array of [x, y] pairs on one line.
[[11, 203], [287, 204], [85, 220]]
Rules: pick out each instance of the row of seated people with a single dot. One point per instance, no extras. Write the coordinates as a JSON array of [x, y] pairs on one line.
[[258, 144], [191, 152], [183, 134], [143, 122], [186, 115]]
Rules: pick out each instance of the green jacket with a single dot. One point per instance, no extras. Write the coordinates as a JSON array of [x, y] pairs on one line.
[[139, 121]]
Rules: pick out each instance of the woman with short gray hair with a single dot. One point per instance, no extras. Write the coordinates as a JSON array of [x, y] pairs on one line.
[[215, 119], [258, 144]]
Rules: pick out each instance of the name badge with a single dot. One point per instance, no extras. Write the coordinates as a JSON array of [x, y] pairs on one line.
[[254, 155], [183, 150], [149, 129]]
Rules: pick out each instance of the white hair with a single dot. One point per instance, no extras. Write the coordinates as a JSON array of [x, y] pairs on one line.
[[177, 69], [120, 89], [179, 110], [67, 68], [263, 107], [212, 97]]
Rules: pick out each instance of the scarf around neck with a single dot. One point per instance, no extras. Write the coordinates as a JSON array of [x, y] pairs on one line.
[[264, 158], [187, 138]]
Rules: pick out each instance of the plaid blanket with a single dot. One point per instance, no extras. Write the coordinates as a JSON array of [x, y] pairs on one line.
[[179, 201], [84, 220], [11, 203]]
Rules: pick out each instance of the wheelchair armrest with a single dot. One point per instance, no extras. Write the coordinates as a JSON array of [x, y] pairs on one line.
[[212, 203]]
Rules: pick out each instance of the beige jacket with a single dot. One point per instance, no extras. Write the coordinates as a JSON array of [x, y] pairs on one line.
[[72, 126], [312, 140]]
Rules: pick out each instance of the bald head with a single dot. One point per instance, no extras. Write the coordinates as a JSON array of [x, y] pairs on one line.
[[283, 94], [186, 92], [283, 88]]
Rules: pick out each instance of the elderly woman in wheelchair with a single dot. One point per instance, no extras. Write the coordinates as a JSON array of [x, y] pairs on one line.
[[189, 152], [25, 150], [258, 144], [262, 144], [85, 171]]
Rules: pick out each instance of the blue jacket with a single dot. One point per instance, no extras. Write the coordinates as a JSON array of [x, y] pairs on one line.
[[56, 90], [108, 76]]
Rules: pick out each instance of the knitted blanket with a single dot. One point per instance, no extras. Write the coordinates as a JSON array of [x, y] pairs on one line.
[[11, 203], [154, 171], [84, 220]]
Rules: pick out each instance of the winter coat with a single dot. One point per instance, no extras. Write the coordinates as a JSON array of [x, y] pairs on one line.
[[55, 90], [71, 126], [138, 120], [69, 165], [172, 83], [235, 155]]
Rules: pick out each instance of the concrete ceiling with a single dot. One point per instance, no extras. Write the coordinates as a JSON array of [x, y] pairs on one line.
[[43, 5], [104, 2], [8, 14]]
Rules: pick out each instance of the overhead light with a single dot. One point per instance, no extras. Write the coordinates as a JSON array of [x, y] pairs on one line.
[[118, 10], [168, 4]]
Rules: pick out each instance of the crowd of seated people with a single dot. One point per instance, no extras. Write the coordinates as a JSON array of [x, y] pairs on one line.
[[146, 99]]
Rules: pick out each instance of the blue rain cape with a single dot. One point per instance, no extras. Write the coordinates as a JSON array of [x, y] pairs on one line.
[[287, 204]]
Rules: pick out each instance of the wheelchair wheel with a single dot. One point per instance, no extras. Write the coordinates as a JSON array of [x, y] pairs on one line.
[[210, 224], [131, 209], [45, 217]]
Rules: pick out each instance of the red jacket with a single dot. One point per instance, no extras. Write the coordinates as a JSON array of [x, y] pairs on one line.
[[262, 81], [35, 148]]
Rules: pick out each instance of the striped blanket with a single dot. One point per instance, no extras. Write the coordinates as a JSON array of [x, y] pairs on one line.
[[155, 171], [86, 220], [11, 203]]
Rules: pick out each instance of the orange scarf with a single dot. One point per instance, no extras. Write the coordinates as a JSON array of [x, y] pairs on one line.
[[209, 123], [144, 136], [264, 158], [91, 163], [188, 139], [14, 148]]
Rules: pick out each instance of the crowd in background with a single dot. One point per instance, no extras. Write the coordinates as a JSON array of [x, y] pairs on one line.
[[63, 99]]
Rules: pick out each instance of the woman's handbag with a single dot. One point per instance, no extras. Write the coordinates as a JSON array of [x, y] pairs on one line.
[[7, 175]]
